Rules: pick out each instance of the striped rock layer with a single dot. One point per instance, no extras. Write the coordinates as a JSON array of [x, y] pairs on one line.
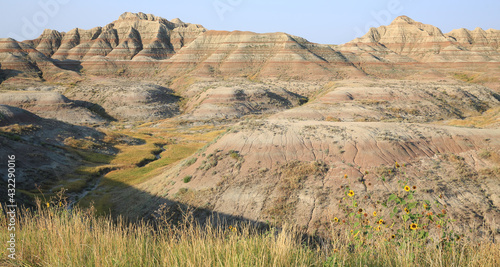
[[406, 40], [139, 44]]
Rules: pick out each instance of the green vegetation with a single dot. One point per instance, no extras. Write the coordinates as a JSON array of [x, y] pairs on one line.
[[211, 161], [81, 178], [183, 191], [190, 162], [135, 175], [187, 179], [13, 132], [85, 144], [463, 77], [235, 155], [11, 136], [484, 154], [150, 153], [487, 119], [19, 129], [92, 157]]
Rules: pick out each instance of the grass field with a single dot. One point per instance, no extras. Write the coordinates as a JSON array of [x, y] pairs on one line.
[[53, 236], [159, 149]]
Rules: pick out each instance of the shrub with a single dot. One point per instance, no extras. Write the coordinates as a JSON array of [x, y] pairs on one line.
[[463, 77], [191, 161], [211, 161], [187, 179], [333, 119], [235, 155], [484, 154]]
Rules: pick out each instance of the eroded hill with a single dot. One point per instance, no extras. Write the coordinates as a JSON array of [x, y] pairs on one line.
[[260, 127]]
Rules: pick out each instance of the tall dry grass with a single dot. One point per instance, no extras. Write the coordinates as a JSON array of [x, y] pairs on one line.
[[55, 236]]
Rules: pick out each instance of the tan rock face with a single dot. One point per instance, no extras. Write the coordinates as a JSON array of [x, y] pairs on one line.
[[141, 35], [141, 44], [406, 40], [19, 58], [48, 42], [250, 54], [290, 162], [392, 100], [128, 101], [14, 57], [477, 40], [50, 105]]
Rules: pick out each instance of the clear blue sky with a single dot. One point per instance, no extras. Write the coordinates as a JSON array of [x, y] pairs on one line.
[[320, 21]]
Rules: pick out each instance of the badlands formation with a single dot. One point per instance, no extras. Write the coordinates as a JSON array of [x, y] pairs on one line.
[[260, 127]]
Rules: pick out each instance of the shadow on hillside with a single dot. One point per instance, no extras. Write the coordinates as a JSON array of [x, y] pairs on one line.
[[137, 205], [95, 108], [159, 210], [8, 73], [38, 144], [68, 64], [134, 205]]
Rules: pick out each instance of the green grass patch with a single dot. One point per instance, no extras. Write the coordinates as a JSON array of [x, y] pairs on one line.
[[134, 155], [92, 157], [190, 162], [463, 77], [136, 175], [11, 136], [488, 119], [72, 186]]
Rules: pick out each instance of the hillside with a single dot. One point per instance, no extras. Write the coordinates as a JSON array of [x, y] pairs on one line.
[[144, 44], [145, 113]]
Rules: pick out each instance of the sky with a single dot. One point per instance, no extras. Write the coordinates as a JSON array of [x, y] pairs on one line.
[[319, 21]]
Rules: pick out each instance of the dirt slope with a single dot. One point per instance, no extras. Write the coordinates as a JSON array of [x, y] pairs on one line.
[[291, 170]]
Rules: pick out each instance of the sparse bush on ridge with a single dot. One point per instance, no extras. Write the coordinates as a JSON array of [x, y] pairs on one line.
[[190, 162], [235, 155], [484, 154]]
